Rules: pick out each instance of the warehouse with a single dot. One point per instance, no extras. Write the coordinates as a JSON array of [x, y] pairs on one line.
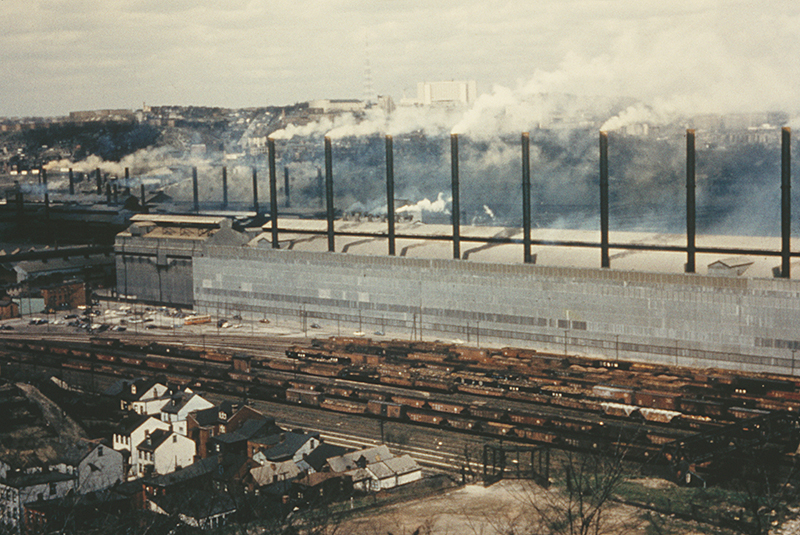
[[645, 307]]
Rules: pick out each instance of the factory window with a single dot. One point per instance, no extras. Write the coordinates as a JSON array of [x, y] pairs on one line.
[[579, 325], [563, 324]]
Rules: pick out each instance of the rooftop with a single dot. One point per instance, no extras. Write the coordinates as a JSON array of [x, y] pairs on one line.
[[298, 235]]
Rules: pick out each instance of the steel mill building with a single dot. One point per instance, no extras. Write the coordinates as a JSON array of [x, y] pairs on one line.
[[732, 313], [683, 299]]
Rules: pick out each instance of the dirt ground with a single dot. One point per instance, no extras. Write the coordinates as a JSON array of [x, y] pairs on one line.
[[472, 510]]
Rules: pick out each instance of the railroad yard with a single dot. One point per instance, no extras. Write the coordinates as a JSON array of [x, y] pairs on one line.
[[681, 424]]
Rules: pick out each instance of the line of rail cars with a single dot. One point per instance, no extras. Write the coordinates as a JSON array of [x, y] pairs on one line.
[[679, 398]]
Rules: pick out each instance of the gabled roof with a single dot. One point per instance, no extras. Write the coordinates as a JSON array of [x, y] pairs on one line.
[[264, 475], [201, 468], [380, 470], [156, 438], [131, 423], [351, 461], [282, 446], [76, 452], [142, 385], [404, 464], [733, 262], [118, 387], [317, 458], [211, 416], [177, 402], [28, 480], [250, 429]]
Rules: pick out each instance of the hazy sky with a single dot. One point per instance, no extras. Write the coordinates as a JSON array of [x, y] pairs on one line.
[[692, 55]]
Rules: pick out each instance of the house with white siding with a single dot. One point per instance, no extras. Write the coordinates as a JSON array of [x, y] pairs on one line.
[[163, 452], [131, 433], [179, 406]]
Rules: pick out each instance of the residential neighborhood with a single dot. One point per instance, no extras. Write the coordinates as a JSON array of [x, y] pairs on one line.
[[173, 454]]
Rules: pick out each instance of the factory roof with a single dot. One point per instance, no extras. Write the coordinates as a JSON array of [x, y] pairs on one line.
[[178, 220], [431, 241], [193, 228]]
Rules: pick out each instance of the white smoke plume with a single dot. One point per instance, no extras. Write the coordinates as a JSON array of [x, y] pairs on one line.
[[426, 205], [141, 162]]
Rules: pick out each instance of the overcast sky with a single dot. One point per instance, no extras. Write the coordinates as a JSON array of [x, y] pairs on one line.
[[695, 55]]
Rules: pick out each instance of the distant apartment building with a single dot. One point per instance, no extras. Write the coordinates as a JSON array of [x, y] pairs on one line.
[[446, 93], [337, 105]]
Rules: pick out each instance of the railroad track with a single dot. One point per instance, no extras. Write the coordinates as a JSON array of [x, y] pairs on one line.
[[206, 363], [129, 363]]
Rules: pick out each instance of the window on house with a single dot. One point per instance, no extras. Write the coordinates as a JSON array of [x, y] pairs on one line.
[[100, 451], [53, 489], [174, 438]]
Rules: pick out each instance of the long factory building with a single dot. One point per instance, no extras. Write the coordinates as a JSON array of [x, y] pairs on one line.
[[733, 312]]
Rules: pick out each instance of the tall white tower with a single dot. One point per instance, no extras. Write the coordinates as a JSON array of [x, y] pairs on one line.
[[369, 89]]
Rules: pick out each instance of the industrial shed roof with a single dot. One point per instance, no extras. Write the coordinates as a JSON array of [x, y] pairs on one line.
[[297, 234]]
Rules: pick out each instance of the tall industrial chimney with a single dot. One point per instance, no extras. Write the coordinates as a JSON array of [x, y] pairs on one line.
[[786, 201], [195, 196], [329, 193], [255, 191], [286, 185], [320, 187], [605, 259], [43, 178], [144, 203], [99, 182], [224, 188], [526, 197], [456, 217], [71, 182], [690, 205], [273, 192], [390, 193]]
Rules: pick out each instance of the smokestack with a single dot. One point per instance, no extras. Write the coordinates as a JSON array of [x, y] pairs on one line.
[[329, 193], [108, 193], [286, 185], [99, 182], [116, 192], [690, 206], [390, 193], [273, 192], [43, 178], [786, 201], [127, 183], [20, 209], [71, 182], [195, 195], [143, 201], [320, 187], [605, 260], [255, 191], [454, 191], [526, 197], [224, 188]]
